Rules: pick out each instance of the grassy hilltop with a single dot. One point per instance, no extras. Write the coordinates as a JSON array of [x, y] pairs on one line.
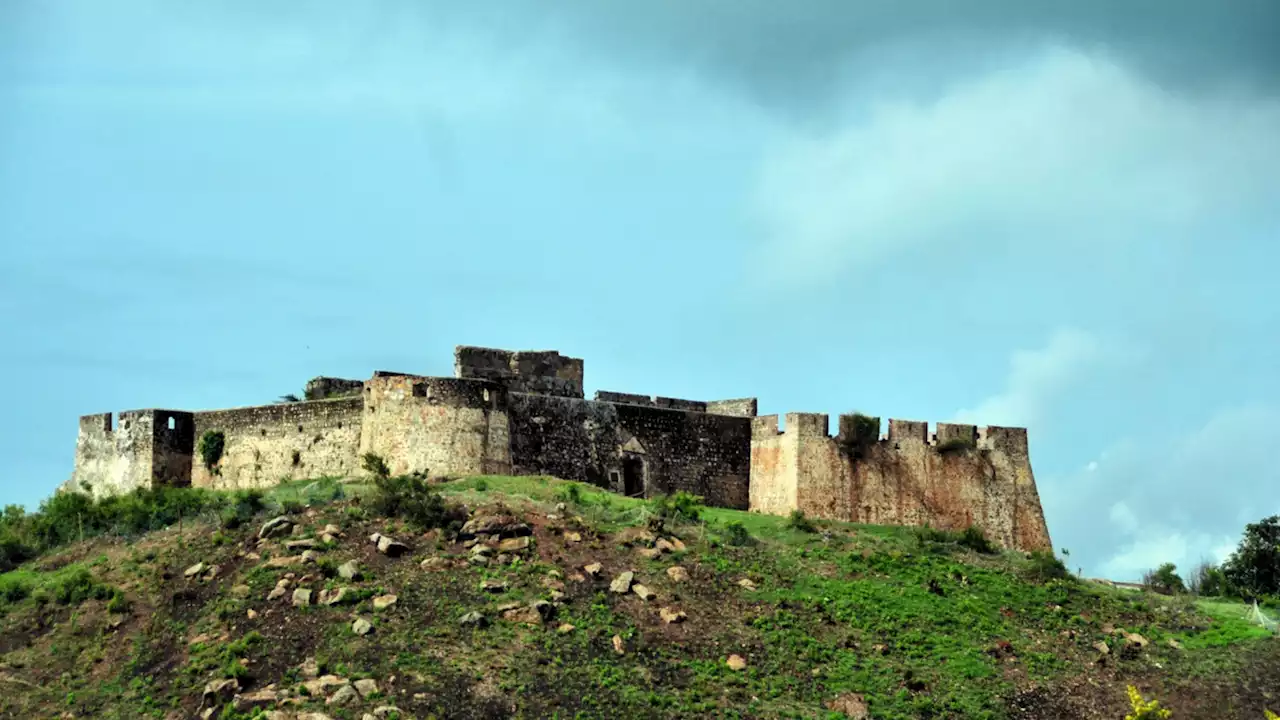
[[229, 612]]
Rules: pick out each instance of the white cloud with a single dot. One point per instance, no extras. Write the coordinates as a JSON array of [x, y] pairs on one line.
[[1036, 377], [1069, 150]]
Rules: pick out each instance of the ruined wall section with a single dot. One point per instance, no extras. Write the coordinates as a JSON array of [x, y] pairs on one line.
[[325, 388], [773, 467], [739, 407], [268, 444], [543, 372], [436, 426], [962, 477], [708, 455], [135, 449]]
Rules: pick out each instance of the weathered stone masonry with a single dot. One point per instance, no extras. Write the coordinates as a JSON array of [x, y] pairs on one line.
[[525, 413]]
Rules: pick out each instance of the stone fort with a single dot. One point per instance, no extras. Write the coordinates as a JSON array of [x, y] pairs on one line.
[[524, 413]]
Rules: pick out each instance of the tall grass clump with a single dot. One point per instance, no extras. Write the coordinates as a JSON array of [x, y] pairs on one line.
[[410, 498]]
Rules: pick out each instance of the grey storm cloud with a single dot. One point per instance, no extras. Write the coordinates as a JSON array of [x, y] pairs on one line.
[[789, 52]]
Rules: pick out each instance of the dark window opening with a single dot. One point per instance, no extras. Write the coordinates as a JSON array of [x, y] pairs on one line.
[[297, 458], [633, 477], [264, 432]]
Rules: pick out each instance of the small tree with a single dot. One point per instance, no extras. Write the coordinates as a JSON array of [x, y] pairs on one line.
[[375, 466], [1254, 568], [1164, 580]]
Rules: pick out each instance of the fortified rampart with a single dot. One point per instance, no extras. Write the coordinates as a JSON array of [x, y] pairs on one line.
[[526, 413]]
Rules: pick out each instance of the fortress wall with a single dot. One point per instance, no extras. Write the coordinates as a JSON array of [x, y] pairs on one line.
[[260, 443], [437, 426], [708, 455], [564, 437], [740, 407], [323, 388], [773, 467], [135, 449], [543, 372], [588, 440], [902, 480]]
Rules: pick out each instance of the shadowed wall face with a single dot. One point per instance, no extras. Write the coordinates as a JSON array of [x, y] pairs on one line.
[[543, 372]]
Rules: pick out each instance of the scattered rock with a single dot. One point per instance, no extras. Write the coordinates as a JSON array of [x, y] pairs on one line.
[[337, 596], [434, 564], [310, 556], [525, 615], [473, 619], [390, 547], [635, 536], [565, 628], [663, 545], [577, 577], [853, 705], [386, 711], [643, 592], [194, 570], [241, 591], [301, 596], [313, 716], [736, 662], [344, 696], [618, 647], [515, 544], [282, 587], [677, 544], [251, 614], [544, 609], [366, 687], [677, 573], [259, 698], [361, 626], [309, 668], [285, 561], [672, 616], [504, 559], [494, 586], [500, 525], [1136, 641], [649, 553], [349, 570], [220, 690], [573, 537], [1173, 644], [304, 544], [275, 526], [382, 602], [593, 570], [1102, 648], [746, 584], [622, 583], [333, 530]]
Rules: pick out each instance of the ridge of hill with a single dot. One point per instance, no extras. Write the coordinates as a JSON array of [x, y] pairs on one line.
[[544, 598]]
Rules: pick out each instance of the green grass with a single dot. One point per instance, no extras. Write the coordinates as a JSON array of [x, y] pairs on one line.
[[69, 585]]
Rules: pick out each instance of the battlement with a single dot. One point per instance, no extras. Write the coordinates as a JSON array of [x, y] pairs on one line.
[[541, 372], [859, 429], [322, 388]]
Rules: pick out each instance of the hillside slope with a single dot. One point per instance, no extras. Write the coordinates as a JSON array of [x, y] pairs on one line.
[[732, 615]]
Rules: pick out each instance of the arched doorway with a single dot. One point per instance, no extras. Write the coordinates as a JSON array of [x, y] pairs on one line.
[[633, 476]]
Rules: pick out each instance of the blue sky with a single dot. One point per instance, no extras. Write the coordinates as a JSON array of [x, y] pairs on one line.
[[1064, 219]]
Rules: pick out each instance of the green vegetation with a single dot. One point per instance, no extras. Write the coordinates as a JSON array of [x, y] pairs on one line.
[[210, 447], [957, 444], [375, 466], [910, 623], [1164, 580]]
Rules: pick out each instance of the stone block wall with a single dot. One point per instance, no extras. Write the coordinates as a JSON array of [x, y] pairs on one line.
[[544, 372], [134, 449], [904, 479], [324, 388], [598, 441], [267, 444], [437, 426]]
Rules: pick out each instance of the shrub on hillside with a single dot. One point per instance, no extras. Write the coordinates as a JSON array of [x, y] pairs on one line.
[[410, 498], [798, 521], [1208, 580], [680, 507], [976, 540], [1164, 580], [735, 533], [375, 466], [1045, 566]]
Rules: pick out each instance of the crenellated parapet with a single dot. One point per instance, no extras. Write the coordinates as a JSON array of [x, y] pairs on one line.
[[950, 478]]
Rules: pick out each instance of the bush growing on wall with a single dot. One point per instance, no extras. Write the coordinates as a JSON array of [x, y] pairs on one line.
[[210, 447], [375, 466]]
